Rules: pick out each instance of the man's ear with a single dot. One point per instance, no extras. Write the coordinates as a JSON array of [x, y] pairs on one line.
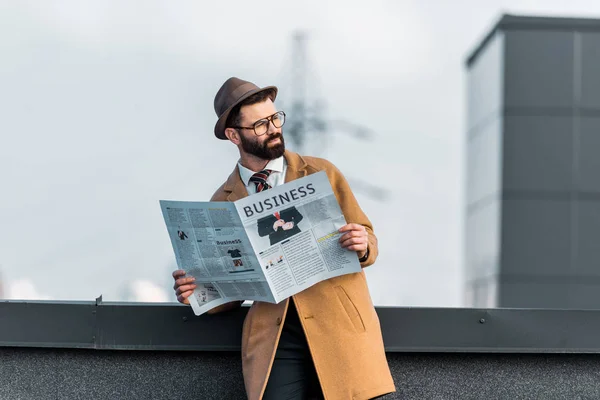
[[233, 135]]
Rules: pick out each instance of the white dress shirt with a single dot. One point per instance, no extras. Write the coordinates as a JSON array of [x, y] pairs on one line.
[[277, 177]]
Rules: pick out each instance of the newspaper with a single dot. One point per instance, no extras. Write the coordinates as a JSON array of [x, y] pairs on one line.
[[265, 247]]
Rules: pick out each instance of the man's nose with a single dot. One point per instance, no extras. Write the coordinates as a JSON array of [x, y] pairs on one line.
[[272, 129]]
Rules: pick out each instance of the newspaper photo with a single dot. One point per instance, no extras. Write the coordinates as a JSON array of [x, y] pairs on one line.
[[265, 247]]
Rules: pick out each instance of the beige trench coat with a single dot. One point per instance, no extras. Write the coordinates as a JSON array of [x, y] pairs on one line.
[[338, 317]]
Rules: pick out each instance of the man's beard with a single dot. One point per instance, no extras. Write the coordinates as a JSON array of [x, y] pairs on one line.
[[263, 150]]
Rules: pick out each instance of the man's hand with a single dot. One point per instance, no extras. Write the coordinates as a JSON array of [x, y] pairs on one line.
[[184, 287], [355, 237]]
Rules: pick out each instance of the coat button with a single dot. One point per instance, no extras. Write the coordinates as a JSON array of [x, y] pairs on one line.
[[278, 321]]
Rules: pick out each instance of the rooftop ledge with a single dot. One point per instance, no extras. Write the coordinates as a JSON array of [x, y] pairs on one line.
[[171, 326], [98, 350]]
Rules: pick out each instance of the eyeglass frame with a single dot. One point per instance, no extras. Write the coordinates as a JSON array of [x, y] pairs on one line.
[[269, 120]]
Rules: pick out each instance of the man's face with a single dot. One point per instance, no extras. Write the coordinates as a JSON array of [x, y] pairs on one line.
[[268, 146]]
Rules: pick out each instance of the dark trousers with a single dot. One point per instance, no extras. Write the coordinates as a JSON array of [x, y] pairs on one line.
[[293, 375]]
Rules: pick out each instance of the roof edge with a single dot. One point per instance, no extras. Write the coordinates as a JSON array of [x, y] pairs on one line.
[[514, 22]]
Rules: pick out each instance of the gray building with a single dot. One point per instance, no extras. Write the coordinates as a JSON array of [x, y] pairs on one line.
[[533, 171]]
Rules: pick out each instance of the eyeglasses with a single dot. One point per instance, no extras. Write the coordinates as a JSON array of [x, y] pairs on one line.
[[261, 126]]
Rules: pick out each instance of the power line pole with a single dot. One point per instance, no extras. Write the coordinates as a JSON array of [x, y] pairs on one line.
[[307, 122], [297, 130]]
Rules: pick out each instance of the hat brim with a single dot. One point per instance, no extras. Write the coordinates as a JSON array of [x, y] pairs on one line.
[[220, 125]]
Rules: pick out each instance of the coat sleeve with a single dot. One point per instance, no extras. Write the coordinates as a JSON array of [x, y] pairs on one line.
[[352, 211]]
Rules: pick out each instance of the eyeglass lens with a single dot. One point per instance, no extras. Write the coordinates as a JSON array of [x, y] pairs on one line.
[[262, 126]]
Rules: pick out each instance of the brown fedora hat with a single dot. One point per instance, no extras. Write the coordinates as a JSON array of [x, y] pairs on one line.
[[232, 93]]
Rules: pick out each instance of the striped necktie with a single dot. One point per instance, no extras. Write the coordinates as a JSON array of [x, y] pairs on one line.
[[260, 180]]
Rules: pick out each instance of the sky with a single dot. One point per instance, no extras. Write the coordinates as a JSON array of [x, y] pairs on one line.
[[107, 108]]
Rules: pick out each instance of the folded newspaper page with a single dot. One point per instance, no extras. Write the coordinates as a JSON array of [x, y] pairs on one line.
[[265, 247]]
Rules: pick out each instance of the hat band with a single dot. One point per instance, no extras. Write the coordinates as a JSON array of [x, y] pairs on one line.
[[238, 93]]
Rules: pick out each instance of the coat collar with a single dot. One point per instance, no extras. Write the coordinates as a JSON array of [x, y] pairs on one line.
[[235, 188]]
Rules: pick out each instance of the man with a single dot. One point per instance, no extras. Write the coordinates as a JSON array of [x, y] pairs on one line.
[[329, 344]]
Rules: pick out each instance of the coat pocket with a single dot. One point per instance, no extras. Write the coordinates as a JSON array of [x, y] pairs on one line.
[[350, 309]]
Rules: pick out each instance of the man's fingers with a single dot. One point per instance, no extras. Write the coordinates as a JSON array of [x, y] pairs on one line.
[[183, 298], [183, 281], [356, 247], [178, 273], [184, 289], [352, 226], [354, 241], [352, 234]]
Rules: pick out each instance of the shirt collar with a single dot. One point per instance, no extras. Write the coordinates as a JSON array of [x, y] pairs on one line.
[[275, 165]]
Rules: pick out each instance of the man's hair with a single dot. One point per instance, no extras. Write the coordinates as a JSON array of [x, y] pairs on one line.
[[234, 116]]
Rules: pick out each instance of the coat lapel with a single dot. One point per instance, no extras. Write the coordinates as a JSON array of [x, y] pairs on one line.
[[235, 186], [296, 166]]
